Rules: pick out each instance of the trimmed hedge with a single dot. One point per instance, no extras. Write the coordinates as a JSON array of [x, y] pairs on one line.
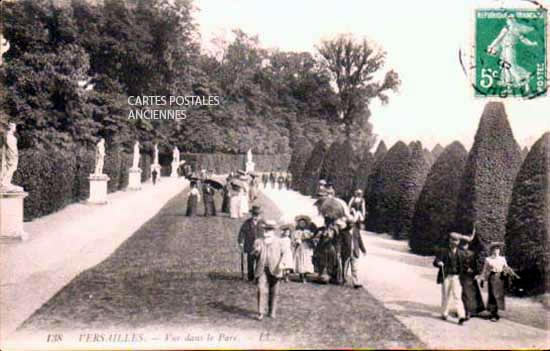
[[488, 178], [86, 164], [312, 169], [145, 161], [48, 176], [397, 185], [331, 162], [361, 177], [300, 153], [436, 207], [342, 174], [381, 151], [528, 226], [437, 150], [225, 163]]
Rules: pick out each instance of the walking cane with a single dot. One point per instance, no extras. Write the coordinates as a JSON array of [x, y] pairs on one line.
[[242, 265]]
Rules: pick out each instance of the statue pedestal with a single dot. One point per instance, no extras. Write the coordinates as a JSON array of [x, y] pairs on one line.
[[98, 189], [250, 166], [175, 166], [11, 215], [134, 179]]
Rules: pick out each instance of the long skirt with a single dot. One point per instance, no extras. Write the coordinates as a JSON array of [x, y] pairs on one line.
[[303, 257], [192, 204], [244, 204], [496, 293], [471, 295], [235, 207], [328, 263], [209, 205], [225, 202]]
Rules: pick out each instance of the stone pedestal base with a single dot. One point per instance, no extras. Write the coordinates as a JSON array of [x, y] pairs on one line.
[[134, 179], [250, 167], [11, 215], [174, 173], [98, 189]]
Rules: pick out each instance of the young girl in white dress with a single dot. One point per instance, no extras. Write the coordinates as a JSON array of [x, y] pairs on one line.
[[287, 262]]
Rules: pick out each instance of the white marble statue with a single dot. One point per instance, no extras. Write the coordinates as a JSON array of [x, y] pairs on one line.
[[135, 163], [176, 155], [99, 157], [10, 159], [156, 159], [249, 156], [4, 47]]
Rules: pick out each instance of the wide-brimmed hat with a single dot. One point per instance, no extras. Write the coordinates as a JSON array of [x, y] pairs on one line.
[[341, 223], [496, 244], [286, 226], [359, 191], [269, 224], [256, 210], [305, 218], [241, 172], [322, 182], [330, 184]]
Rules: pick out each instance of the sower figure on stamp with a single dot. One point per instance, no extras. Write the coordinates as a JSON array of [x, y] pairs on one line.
[[269, 253], [250, 231], [450, 262]]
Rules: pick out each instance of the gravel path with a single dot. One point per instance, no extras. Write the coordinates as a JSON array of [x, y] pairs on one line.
[[63, 244], [176, 282], [405, 284]]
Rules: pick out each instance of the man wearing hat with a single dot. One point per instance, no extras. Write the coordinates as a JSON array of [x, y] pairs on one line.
[[250, 231], [352, 248], [450, 262], [269, 254]]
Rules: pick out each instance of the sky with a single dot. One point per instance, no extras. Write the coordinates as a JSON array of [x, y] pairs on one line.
[[435, 103]]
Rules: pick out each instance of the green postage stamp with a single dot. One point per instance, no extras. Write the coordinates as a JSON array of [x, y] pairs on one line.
[[510, 52]]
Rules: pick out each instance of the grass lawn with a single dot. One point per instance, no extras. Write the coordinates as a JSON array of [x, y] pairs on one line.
[[185, 271]]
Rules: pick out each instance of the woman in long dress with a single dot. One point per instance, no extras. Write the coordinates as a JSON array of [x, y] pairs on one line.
[[243, 195], [495, 270], [303, 247], [208, 198], [193, 200], [287, 262], [328, 264], [471, 294], [234, 201]]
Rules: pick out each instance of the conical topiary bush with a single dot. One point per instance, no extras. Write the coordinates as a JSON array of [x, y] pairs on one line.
[[524, 152], [342, 174], [488, 178], [363, 172], [436, 206], [312, 169], [300, 154], [437, 150], [331, 161], [429, 157], [396, 186], [528, 226]]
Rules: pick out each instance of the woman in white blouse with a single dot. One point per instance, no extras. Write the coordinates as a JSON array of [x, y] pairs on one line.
[[495, 270]]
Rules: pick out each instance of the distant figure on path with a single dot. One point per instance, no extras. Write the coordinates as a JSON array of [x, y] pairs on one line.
[[265, 179], [235, 201], [154, 175], [272, 179], [495, 270], [289, 181], [450, 262], [250, 231], [281, 181], [357, 206], [193, 200], [269, 254], [208, 198]]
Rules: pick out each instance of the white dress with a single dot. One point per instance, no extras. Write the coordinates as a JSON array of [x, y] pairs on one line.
[[287, 261]]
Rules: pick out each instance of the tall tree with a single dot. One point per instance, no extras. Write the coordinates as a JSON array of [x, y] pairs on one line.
[[354, 65]]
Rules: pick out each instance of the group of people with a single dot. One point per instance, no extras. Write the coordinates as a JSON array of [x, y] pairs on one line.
[[239, 191], [324, 254], [459, 279], [278, 180]]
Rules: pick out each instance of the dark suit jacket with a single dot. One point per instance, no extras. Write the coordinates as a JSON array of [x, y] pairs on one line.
[[248, 234], [442, 255], [349, 237]]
